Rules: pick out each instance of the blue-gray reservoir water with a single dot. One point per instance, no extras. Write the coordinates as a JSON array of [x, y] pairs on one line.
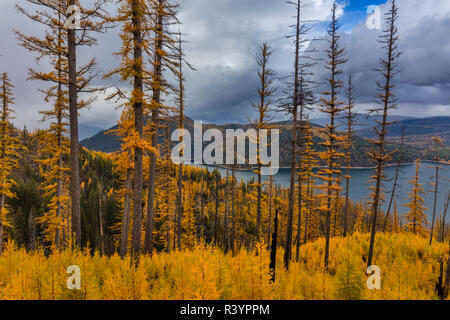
[[360, 178]]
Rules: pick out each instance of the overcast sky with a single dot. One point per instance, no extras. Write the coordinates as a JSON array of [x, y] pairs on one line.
[[224, 36]]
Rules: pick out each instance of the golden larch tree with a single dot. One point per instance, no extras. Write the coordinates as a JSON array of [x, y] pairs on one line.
[[386, 102], [332, 106], [416, 218], [263, 107], [9, 147]]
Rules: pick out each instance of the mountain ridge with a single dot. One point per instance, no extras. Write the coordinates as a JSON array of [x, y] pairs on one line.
[[110, 143]]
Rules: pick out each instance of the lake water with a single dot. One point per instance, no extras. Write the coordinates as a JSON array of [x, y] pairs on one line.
[[359, 188]]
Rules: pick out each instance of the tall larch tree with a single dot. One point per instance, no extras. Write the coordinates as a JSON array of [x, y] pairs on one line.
[[163, 62], [64, 18], [307, 189], [180, 105], [292, 110], [136, 19], [91, 20], [53, 145], [350, 119], [386, 102], [180, 93], [306, 100], [123, 160], [262, 108], [416, 219], [9, 146], [437, 145], [332, 106], [395, 185]]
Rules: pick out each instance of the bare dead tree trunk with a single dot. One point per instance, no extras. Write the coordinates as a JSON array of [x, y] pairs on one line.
[[259, 197], [444, 217], [447, 279], [226, 229], [216, 213], [309, 211], [288, 244], [2, 157], [388, 67], [332, 107], [2, 205], [233, 209], [202, 212], [350, 117], [299, 216], [397, 171], [180, 197], [273, 251], [59, 143], [269, 226], [436, 185]]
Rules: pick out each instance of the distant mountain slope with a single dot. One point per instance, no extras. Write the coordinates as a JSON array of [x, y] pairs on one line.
[[86, 131], [364, 121], [418, 131], [102, 141], [105, 142]]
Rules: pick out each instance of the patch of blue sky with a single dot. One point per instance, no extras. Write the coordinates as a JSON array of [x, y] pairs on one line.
[[356, 11]]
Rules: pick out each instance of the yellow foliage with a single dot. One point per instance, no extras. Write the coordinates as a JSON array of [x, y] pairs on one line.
[[409, 270]]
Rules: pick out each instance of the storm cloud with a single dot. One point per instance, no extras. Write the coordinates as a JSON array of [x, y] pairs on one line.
[[224, 36]]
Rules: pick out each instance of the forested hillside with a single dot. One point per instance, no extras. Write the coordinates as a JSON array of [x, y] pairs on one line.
[[107, 141]]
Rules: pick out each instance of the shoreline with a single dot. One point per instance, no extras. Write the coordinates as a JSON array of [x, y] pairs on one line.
[[319, 167]]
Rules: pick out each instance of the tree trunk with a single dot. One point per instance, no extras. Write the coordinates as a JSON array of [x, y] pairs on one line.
[[379, 174], [216, 214], [102, 240], [444, 226], [273, 251], [126, 216], [259, 196], [447, 279], [226, 228], [299, 218], [74, 147], [139, 127], [288, 248], [151, 190], [233, 210], [269, 222], [309, 211], [386, 99], [155, 120], [397, 171], [2, 206], [435, 198], [347, 200], [32, 230], [59, 108]]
